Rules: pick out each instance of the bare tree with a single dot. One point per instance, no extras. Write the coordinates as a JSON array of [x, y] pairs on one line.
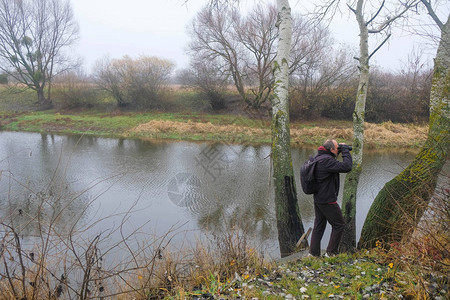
[[408, 194], [245, 46], [212, 32], [311, 46], [33, 36], [372, 18], [258, 34]]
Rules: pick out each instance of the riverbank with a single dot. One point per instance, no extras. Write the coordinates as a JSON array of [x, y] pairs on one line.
[[207, 127], [417, 270], [366, 275]]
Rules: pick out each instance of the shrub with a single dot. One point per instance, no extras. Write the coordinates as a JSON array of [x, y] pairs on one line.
[[402, 97], [139, 82], [208, 80], [72, 90], [3, 78], [333, 103]]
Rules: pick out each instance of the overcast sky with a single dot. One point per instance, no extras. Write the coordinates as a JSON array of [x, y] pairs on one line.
[[116, 28]]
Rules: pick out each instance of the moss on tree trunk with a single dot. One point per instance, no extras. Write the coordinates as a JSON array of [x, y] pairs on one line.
[[289, 224], [401, 203], [398, 207], [348, 241]]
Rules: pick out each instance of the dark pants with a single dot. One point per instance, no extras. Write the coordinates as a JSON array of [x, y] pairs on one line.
[[331, 213]]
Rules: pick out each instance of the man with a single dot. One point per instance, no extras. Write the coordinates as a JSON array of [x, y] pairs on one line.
[[326, 174]]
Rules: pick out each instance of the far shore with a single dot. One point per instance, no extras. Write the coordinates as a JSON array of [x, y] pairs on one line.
[[209, 127]]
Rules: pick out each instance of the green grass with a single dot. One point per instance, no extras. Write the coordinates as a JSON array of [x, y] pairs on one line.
[[362, 275], [19, 112], [15, 99], [115, 125], [358, 276], [119, 124]]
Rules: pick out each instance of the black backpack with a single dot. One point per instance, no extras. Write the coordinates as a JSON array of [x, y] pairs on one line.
[[307, 174]]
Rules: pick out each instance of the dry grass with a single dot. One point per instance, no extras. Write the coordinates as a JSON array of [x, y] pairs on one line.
[[40, 258], [425, 254], [198, 128], [385, 134], [391, 134]]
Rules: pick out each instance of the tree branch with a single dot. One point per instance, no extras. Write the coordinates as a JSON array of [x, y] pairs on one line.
[[390, 20], [351, 8], [379, 46], [376, 14], [432, 14], [323, 10]]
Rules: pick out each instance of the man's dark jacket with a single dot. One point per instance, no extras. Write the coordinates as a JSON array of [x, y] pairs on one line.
[[327, 172]]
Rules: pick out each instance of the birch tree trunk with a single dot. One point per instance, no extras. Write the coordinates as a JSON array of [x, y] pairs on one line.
[[348, 241], [289, 224], [401, 203]]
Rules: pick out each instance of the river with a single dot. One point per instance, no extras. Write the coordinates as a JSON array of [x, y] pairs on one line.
[[189, 189]]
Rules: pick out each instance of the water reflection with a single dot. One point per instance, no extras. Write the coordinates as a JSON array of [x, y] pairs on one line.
[[207, 186], [239, 196], [37, 193]]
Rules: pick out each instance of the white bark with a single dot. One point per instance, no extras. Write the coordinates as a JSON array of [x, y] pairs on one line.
[[360, 105], [281, 70], [348, 241], [382, 24], [280, 103], [439, 99], [289, 223]]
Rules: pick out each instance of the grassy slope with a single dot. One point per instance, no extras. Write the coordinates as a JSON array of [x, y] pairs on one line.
[[196, 126]]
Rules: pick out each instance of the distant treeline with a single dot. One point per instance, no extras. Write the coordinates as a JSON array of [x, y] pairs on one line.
[[398, 97], [401, 97], [231, 49]]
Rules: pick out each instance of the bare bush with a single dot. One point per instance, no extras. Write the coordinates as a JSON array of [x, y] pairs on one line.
[[49, 249], [402, 96], [139, 82], [208, 79], [325, 87], [71, 90], [77, 265]]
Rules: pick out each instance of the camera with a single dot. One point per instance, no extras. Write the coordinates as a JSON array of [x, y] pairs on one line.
[[348, 146]]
